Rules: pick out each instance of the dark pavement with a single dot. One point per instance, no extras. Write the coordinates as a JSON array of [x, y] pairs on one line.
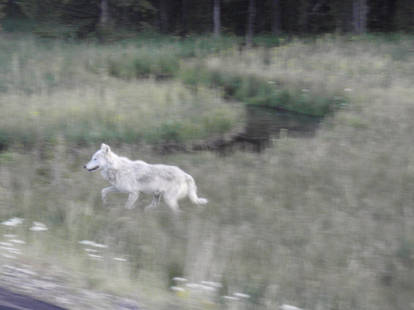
[[13, 301]]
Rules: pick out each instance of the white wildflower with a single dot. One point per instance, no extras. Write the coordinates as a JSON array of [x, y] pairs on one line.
[[177, 289], [100, 245], [289, 307], [86, 242], [93, 243], [212, 284], [90, 250], [9, 236], [179, 279], [208, 288], [120, 259], [241, 295], [95, 256], [21, 270], [13, 221], [37, 226], [6, 244], [17, 241], [9, 256], [193, 285], [10, 250]]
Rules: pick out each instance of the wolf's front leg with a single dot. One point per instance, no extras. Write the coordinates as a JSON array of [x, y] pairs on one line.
[[131, 200], [107, 190]]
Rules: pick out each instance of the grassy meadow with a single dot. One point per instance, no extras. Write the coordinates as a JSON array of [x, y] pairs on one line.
[[325, 222], [51, 89]]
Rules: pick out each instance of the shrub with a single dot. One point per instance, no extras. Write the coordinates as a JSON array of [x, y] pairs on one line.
[[256, 90]]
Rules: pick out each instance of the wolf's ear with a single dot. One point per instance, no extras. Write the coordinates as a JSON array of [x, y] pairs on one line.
[[105, 148]]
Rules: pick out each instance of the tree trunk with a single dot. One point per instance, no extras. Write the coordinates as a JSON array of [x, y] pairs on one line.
[[163, 16], [276, 24], [251, 14], [104, 17], [184, 17], [216, 18], [303, 16], [359, 16]]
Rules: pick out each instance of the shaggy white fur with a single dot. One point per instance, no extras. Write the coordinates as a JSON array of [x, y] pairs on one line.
[[135, 177]]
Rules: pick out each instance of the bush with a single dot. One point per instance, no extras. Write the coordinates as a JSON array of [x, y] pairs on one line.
[[256, 90]]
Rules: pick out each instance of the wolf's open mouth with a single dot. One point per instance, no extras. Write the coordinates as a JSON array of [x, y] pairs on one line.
[[93, 169]]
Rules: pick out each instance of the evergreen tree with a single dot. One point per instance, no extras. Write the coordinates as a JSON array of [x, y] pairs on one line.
[[240, 17]]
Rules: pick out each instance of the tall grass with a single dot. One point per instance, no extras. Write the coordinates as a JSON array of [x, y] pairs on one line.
[[117, 111], [254, 89], [319, 223], [310, 78], [157, 56], [52, 89]]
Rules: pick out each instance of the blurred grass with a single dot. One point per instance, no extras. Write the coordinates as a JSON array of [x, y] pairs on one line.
[[117, 112], [159, 56], [320, 223], [304, 76], [254, 89], [54, 88]]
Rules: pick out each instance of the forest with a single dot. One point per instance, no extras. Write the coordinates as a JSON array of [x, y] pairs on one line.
[[83, 18]]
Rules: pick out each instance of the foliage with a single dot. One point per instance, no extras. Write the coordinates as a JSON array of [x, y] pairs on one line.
[[320, 223], [52, 89], [256, 90], [187, 17], [157, 56], [126, 113]]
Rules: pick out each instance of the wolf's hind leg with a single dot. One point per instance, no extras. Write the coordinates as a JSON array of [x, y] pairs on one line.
[[131, 200], [105, 191], [155, 201], [172, 202]]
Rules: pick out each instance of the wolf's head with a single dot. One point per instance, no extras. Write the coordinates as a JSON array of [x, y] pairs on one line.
[[99, 159]]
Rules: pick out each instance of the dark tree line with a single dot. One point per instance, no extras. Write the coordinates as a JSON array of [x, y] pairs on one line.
[[241, 17]]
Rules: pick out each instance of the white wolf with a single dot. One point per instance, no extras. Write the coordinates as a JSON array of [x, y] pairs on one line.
[[134, 177]]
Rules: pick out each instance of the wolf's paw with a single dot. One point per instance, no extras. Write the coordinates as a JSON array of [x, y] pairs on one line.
[[202, 201], [177, 212], [149, 207]]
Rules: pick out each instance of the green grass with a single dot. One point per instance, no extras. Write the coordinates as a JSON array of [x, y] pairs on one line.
[[117, 112], [305, 77], [260, 91], [157, 56], [54, 88], [266, 76], [320, 223]]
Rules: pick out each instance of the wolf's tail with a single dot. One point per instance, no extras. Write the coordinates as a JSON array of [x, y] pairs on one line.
[[192, 192]]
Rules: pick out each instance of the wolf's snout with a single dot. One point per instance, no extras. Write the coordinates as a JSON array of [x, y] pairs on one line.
[[91, 169]]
